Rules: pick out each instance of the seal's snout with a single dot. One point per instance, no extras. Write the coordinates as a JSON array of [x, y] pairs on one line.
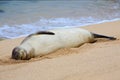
[[18, 53]]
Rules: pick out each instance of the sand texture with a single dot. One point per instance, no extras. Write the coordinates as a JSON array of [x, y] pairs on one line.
[[91, 61]]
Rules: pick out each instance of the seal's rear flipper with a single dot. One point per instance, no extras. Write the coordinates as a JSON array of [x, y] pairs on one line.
[[103, 36]]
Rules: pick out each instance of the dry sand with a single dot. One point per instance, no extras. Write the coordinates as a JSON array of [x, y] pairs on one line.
[[91, 61]]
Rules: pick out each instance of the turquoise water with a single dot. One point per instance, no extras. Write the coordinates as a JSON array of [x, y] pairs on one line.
[[20, 18]]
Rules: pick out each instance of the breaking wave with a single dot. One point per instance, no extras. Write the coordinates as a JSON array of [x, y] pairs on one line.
[[46, 24]]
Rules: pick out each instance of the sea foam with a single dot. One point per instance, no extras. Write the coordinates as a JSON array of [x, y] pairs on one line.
[[15, 31]]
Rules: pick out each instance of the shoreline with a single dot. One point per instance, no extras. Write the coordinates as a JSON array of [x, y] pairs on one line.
[[8, 31], [96, 61], [83, 26]]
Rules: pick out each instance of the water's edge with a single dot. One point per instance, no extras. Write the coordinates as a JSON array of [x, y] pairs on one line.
[[4, 38]]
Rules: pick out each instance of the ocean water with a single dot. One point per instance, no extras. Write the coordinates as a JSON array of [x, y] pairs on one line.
[[20, 18]]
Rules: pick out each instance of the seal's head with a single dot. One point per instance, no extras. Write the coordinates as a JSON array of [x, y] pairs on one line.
[[19, 53]]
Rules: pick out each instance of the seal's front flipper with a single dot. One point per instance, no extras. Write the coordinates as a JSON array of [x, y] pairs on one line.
[[44, 32], [38, 33]]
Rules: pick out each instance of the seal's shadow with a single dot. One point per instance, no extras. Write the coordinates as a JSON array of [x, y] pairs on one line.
[[9, 61]]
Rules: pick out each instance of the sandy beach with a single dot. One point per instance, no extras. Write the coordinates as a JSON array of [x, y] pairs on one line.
[[91, 61]]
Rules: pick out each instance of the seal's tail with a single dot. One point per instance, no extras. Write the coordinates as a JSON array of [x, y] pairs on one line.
[[103, 36]]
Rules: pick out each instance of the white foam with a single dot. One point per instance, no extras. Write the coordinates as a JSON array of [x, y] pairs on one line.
[[46, 24]]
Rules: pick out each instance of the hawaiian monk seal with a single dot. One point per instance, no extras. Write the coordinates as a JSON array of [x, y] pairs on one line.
[[45, 42]]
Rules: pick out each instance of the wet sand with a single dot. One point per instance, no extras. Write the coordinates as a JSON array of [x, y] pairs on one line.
[[91, 61]]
